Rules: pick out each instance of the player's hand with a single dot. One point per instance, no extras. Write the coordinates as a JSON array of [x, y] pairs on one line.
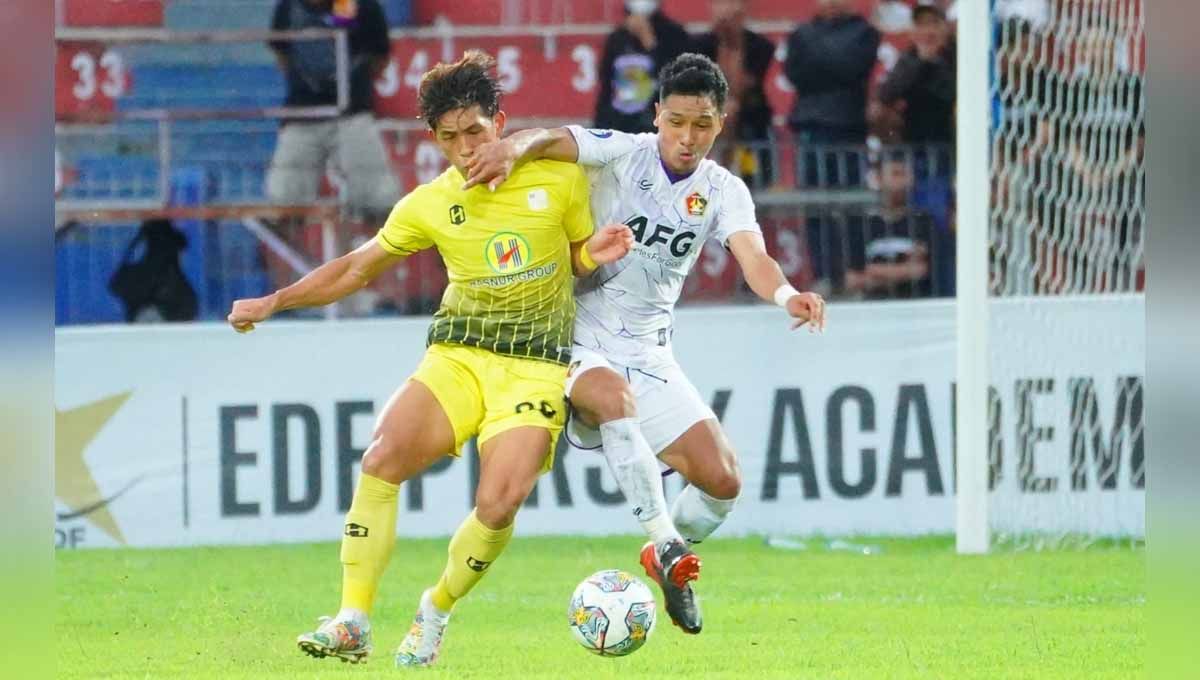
[[491, 164], [807, 308], [246, 313], [610, 243]]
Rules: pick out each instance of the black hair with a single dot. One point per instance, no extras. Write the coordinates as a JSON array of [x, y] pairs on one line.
[[693, 75], [467, 82]]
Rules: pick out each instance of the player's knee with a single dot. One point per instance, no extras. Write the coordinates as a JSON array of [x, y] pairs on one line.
[[726, 483], [381, 461], [606, 398], [497, 507]]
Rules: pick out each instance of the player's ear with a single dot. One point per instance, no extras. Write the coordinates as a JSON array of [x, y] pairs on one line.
[[657, 113], [500, 119]]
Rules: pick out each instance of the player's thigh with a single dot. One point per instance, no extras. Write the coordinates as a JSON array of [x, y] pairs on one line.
[[413, 431], [682, 429], [521, 393], [451, 375], [704, 456], [298, 163], [596, 390], [667, 403]]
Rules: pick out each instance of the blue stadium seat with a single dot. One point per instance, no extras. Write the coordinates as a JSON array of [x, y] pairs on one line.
[[200, 86], [222, 261], [115, 177], [202, 15], [85, 260]]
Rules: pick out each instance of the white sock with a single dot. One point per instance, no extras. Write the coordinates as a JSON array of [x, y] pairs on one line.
[[636, 469], [358, 616], [696, 514]]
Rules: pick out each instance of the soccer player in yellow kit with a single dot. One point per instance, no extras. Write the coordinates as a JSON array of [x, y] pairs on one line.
[[497, 352]]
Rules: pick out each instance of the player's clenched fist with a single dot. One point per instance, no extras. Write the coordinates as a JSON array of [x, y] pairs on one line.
[[246, 313], [610, 243]]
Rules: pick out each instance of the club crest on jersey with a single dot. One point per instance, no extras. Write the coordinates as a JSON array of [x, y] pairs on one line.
[[538, 199], [507, 253], [458, 214], [696, 204]]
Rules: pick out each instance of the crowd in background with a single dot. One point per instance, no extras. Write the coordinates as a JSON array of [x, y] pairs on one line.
[[856, 167], [842, 127], [895, 240]]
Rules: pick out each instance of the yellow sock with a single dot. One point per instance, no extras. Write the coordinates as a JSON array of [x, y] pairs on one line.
[[367, 541], [472, 550]]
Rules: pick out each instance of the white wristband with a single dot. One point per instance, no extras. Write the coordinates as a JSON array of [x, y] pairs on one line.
[[784, 293]]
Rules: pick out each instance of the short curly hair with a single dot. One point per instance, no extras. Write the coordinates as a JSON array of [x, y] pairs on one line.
[[693, 75], [467, 82]]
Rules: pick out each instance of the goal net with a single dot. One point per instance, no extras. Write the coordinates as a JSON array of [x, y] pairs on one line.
[[1064, 350]]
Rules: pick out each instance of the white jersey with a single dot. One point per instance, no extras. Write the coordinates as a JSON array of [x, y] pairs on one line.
[[625, 311]]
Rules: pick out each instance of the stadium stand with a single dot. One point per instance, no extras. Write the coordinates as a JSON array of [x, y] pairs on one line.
[[225, 160]]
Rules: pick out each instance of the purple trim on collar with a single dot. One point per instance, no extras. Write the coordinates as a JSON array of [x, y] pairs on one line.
[[675, 178]]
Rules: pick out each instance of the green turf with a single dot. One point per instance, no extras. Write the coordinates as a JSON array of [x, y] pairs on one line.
[[914, 611]]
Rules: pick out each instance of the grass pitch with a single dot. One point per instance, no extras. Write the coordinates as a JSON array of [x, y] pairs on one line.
[[916, 610]]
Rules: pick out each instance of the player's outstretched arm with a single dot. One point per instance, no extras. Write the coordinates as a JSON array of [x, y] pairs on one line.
[[328, 283], [609, 244], [767, 281], [493, 162]]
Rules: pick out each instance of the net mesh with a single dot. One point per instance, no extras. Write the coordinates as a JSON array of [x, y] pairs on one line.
[[1067, 159], [1066, 232]]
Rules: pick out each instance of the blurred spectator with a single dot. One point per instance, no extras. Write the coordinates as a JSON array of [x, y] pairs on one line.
[[351, 140], [893, 16], [633, 55], [829, 62], [744, 56], [921, 87], [893, 251]]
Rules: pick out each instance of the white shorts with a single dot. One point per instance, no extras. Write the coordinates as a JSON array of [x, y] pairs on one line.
[[667, 402]]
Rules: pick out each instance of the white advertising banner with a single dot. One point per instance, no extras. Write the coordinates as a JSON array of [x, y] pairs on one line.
[[193, 434]]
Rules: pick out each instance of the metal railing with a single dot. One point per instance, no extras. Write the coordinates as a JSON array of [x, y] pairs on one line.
[[889, 237]]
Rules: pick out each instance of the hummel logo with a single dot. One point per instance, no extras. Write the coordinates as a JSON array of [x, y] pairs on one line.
[[645, 185]]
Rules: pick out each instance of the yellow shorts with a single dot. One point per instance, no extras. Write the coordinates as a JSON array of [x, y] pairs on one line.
[[484, 393]]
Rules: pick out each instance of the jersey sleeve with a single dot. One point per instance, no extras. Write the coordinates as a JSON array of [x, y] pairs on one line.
[[737, 212], [403, 233], [598, 148], [577, 219]]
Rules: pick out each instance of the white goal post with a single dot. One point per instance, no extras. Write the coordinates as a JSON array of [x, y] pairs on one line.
[[1050, 269]]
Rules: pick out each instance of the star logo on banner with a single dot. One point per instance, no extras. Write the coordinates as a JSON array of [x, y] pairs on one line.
[[74, 486]]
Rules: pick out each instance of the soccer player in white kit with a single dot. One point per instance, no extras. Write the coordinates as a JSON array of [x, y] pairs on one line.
[[628, 395]]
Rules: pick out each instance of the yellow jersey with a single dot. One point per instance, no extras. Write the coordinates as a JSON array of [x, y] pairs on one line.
[[507, 255]]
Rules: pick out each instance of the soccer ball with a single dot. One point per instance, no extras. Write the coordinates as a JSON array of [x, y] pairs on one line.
[[611, 613]]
